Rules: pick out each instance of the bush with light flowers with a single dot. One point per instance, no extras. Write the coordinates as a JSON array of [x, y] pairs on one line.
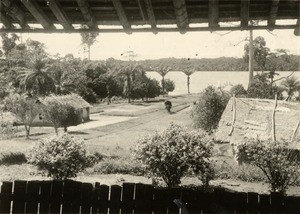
[[174, 153], [61, 156]]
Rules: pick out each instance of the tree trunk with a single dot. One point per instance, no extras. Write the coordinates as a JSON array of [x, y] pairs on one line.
[[251, 59], [163, 85], [27, 129], [89, 52], [188, 83], [56, 129]]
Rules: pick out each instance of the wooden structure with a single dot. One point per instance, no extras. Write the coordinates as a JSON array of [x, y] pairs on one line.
[[76, 197], [259, 119], [147, 15]]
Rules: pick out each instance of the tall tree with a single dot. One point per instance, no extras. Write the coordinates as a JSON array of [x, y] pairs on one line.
[[188, 73], [37, 80], [25, 109], [87, 40], [8, 44], [163, 72], [129, 71]]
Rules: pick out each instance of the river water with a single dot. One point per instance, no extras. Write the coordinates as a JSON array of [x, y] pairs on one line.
[[201, 79]]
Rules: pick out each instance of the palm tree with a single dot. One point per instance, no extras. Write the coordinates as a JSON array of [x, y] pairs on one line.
[[37, 80], [163, 72], [59, 73], [129, 72], [188, 73], [290, 85]]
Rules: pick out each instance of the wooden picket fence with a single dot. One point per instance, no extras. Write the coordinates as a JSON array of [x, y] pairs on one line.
[[76, 197]]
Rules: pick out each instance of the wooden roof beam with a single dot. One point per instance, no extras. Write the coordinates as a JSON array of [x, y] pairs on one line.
[[181, 15], [37, 12], [16, 12], [213, 20], [60, 14], [122, 15], [147, 13], [273, 14], [245, 5], [5, 21], [87, 13]]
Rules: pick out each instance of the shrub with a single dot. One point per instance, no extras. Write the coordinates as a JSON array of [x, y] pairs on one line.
[[209, 108], [13, 158], [113, 165], [238, 90], [61, 156], [171, 154], [273, 160], [169, 85]]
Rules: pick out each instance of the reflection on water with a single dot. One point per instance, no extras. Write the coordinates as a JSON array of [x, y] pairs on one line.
[[200, 80]]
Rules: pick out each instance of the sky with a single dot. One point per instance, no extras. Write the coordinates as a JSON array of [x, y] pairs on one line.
[[167, 44]]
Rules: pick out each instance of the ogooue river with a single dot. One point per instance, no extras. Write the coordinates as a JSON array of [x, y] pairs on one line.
[[201, 79]]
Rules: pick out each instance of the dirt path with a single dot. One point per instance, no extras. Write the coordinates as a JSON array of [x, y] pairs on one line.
[[125, 133]]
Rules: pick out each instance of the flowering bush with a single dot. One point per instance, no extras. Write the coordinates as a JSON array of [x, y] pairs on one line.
[[171, 154], [273, 160], [61, 156]]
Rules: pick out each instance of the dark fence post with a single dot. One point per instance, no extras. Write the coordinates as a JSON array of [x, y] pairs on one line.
[[173, 193], [32, 196], [160, 203], [143, 198], [264, 204], [6, 197], [19, 197], [103, 198], [115, 199], [252, 205], [291, 204], [127, 197], [56, 196], [45, 197], [276, 202], [240, 202], [86, 198]]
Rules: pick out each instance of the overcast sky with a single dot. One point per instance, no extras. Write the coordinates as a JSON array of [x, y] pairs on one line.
[[162, 45]]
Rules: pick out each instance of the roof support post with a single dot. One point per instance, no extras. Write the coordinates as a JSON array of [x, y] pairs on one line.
[[122, 15], [245, 13], [60, 14], [213, 14], [273, 14], [181, 15], [87, 14], [38, 13]]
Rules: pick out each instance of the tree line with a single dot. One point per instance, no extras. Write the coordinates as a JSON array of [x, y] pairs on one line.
[[28, 68]]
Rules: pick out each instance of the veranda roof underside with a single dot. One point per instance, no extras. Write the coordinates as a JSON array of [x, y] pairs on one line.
[[129, 16]]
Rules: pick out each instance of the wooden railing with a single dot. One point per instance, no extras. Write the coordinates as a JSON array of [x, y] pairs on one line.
[[77, 197]]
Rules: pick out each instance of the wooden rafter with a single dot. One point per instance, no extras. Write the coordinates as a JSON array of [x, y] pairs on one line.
[[181, 15], [142, 9], [5, 21], [273, 14], [147, 13], [60, 14], [37, 12], [151, 16], [213, 19], [245, 13], [122, 15], [16, 12], [87, 13]]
